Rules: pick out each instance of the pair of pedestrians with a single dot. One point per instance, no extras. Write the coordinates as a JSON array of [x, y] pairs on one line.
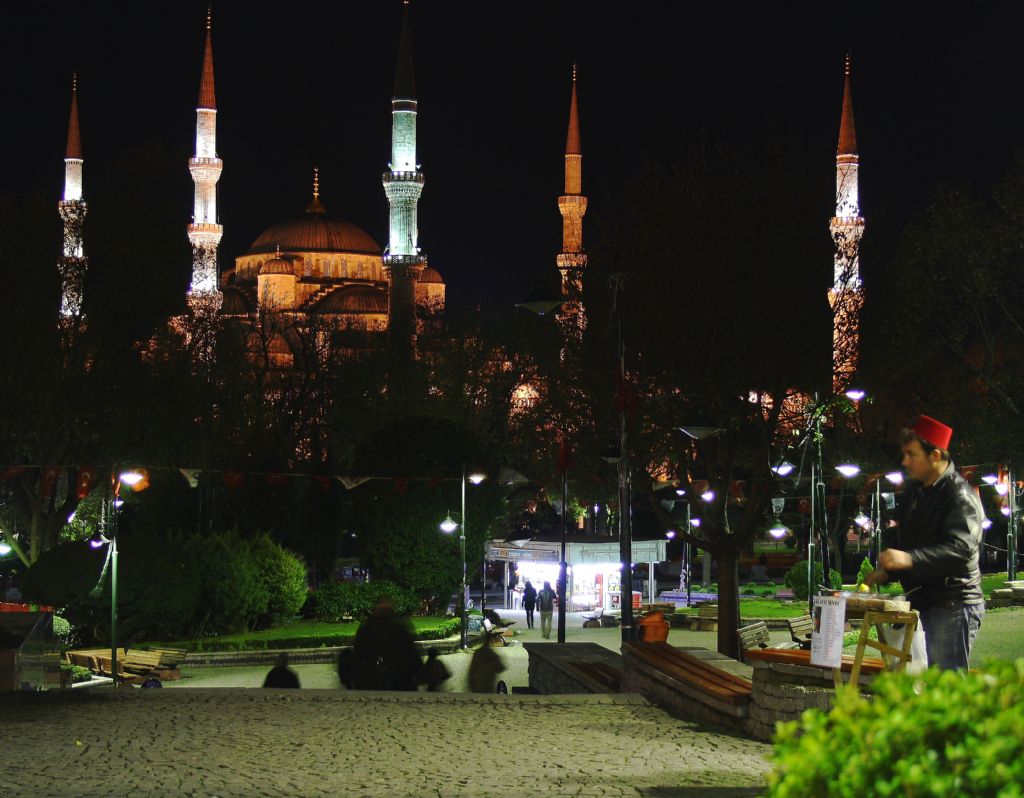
[[543, 601]]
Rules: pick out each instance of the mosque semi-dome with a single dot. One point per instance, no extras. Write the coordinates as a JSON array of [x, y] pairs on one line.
[[432, 276]]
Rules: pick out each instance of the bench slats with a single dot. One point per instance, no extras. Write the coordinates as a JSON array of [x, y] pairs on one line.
[[796, 656], [691, 670]]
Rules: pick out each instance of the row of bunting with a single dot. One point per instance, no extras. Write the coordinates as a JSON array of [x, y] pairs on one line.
[[87, 478]]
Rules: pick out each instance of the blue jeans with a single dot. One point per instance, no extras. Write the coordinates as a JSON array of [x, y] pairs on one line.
[[950, 628]]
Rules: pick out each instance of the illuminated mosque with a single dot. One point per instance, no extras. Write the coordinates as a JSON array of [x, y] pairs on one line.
[[316, 265]]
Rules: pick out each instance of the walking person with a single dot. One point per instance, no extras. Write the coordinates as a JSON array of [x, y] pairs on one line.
[[529, 602], [937, 542], [546, 604]]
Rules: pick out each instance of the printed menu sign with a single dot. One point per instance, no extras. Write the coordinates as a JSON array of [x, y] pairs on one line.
[[827, 635]]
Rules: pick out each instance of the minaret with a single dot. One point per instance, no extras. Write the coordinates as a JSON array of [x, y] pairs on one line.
[[72, 211], [205, 233], [403, 184], [847, 226], [572, 205]]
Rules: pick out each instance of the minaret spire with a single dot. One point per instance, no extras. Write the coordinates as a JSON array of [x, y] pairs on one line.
[[72, 209], [572, 205], [207, 95], [403, 184], [205, 233], [847, 226]]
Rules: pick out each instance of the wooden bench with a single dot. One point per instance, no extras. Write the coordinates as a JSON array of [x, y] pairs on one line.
[[796, 656], [752, 637], [707, 618], [140, 662], [800, 630], [690, 676], [171, 657], [607, 677]]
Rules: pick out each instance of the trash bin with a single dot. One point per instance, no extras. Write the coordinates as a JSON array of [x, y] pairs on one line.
[[654, 628]]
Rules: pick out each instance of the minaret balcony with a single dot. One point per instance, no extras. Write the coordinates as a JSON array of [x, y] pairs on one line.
[[404, 260], [205, 169], [205, 234], [403, 177]]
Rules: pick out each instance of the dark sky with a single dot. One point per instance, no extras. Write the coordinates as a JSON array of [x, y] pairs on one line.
[[937, 96]]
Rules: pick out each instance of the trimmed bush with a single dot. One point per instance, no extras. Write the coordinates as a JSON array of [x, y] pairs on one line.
[[284, 578], [340, 600], [234, 594], [936, 734], [796, 578]]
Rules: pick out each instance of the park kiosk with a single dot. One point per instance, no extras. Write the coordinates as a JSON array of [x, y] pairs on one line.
[[593, 568]]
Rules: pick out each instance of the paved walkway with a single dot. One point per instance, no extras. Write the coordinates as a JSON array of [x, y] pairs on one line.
[[237, 742]]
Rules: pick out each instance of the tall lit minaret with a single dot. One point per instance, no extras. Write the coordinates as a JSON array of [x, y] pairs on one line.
[[403, 184], [572, 205], [205, 233], [72, 211], [846, 297]]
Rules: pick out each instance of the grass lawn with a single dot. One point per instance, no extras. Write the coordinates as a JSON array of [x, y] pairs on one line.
[[306, 634], [763, 608]]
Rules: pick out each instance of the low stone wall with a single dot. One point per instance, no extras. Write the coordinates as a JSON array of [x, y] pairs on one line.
[[662, 694], [549, 669], [781, 692]]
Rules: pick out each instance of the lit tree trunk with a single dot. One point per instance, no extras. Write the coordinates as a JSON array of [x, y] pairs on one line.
[[728, 602]]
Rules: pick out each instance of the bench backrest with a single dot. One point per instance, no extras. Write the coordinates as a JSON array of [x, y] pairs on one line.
[[801, 627], [753, 636]]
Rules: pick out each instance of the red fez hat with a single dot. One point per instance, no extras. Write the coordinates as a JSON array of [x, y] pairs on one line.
[[934, 432]]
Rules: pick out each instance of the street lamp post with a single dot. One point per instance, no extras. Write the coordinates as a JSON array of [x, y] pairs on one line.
[[448, 526]]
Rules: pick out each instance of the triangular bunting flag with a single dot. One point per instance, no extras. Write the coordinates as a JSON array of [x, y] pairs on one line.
[[191, 476]]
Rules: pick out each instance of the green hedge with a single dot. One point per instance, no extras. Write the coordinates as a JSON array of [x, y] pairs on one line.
[[937, 734], [340, 600]]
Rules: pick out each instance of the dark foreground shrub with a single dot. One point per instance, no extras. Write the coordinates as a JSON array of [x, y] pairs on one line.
[[937, 734]]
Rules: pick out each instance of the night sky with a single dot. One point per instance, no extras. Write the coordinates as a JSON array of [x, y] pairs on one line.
[[937, 98]]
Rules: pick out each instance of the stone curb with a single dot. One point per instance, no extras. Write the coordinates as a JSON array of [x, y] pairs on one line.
[[325, 655]]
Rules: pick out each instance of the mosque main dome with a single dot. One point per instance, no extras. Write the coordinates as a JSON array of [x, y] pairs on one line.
[[314, 231]]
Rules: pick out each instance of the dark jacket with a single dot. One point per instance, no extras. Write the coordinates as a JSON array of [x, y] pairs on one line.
[[530, 598], [940, 527]]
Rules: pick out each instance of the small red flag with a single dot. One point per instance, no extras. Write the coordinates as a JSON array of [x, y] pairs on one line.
[[323, 482], [85, 483], [9, 472], [48, 480], [804, 506], [233, 479], [401, 485], [276, 480], [565, 461]]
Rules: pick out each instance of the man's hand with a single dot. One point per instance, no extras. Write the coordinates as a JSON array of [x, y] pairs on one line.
[[876, 577], [895, 560]]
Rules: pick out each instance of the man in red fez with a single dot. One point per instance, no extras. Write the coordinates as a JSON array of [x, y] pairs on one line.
[[936, 553]]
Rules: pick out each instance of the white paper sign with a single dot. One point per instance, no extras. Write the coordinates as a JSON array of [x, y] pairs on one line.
[[827, 635]]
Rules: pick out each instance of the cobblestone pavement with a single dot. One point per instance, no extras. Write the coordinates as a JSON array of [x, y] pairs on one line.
[[237, 742]]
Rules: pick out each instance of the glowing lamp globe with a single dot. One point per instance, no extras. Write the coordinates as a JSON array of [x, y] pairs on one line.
[[848, 469]]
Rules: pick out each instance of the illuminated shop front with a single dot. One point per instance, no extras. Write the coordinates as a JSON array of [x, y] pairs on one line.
[[593, 576]]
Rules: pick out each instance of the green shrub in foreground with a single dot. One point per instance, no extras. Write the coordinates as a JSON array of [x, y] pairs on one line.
[[941, 733]]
